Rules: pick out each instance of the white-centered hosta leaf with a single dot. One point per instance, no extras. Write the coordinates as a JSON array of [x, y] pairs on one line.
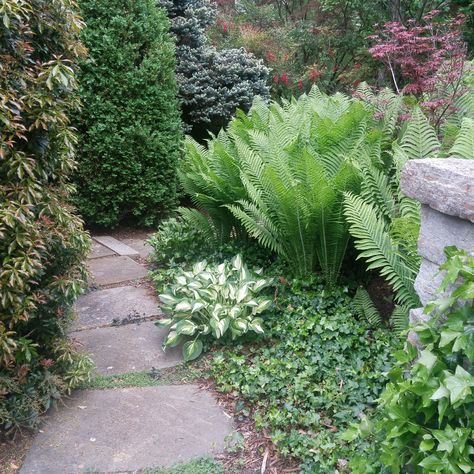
[[256, 325], [197, 307], [167, 299], [237, 262], [192, 350], [199, 267], [181, 280], [262, 306], [172, 340], [186, 327], [183, 307], [164, 323], [242, 293]]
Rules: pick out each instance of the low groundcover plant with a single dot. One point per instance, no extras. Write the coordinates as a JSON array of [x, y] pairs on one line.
[[213, 300]]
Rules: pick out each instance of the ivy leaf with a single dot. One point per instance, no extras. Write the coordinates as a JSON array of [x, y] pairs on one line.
[[447, 337], [459, 385], [192, 350], [427, 359]]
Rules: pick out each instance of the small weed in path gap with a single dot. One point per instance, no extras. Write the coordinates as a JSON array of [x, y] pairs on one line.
[[181, 374]]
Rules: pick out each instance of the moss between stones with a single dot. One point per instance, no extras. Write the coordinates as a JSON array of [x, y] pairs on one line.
[[181, 374], [198, 466]]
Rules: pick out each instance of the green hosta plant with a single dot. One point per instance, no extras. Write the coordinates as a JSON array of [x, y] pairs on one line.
[[212, 300]]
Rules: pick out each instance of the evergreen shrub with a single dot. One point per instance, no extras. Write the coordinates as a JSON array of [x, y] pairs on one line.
[[129, 127]]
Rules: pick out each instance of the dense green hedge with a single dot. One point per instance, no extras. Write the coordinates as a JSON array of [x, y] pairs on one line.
[[129, 127], [42, 244]]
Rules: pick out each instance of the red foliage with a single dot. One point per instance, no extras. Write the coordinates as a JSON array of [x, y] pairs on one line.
[[429, 58], [424, 54]]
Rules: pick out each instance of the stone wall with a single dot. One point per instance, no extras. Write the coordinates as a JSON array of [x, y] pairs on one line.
[[445, 188]]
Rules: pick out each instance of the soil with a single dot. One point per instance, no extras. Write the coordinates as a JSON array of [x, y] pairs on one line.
[[13, 452]]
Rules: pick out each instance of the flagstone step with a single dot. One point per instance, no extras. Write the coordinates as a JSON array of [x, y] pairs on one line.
[[104, 307], [110, 270], [127, 430], [99, 250], [128, 348], [120, 248]]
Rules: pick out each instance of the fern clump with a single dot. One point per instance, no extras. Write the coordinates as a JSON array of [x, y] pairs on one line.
[[279, 175]]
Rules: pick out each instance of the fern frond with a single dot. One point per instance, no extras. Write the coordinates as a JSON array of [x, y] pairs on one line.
[[375, 246], [365, 307], [464, 144], [420, 139], [400, 318]]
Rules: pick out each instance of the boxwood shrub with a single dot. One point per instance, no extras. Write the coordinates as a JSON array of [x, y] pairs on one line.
[[129, 126], [42, 243]]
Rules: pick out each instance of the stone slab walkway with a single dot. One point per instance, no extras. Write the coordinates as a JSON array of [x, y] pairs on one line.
[[129, 348], [104, 307], [115, 269], [127, 429]]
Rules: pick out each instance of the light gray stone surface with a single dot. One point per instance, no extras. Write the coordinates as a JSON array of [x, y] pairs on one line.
[[129, 429], [446, 185], [140, 245], [128, 348], [99, 250], [101, 307], [117, 246], [109, 270], [439, 231], [427, 281]]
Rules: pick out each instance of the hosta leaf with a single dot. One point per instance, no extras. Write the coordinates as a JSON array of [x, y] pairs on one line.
[[192, 350], [172, 340], [256, 325], [164, 323], [199, 267], [181, 280], [197, 307], [235, 311], [240, 324], [167, 299], [242, 293], [186, 327], [219, 326], [237, 262], [262, 306], [183, 307]]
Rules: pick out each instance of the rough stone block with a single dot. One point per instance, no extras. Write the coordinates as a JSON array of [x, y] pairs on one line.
[[427, 281], [128, 348], [116, 245], [110, 270], [439, 231], [446, 185], [128, 430], [101, 307]]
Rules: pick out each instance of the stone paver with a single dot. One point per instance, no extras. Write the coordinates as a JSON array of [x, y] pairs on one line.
[[116, 245], [109, 270], [128, 348], [99, 250], [128, 429], [140, 245], [101, 307]]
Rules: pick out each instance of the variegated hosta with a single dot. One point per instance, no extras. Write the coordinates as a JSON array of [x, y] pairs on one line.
[[218, 300]]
